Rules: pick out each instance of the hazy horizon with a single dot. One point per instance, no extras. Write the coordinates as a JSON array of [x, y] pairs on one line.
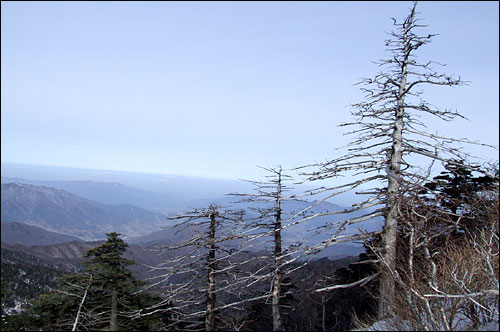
[[213, 89], [183, 187]]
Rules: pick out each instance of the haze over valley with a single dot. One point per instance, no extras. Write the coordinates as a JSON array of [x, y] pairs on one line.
[[86, 209]]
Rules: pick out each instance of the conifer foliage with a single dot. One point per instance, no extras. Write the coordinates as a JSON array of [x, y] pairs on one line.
[[104, 296]]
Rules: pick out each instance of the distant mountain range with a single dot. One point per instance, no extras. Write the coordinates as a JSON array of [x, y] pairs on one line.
[[87, 209], [15, 233], [64, 213], [107, 192], [67, 214], [173, 187]]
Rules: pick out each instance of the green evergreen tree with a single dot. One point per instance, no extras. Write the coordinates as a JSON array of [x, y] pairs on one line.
[[58, 309], [112, 280], [105, 296], [456, 186]]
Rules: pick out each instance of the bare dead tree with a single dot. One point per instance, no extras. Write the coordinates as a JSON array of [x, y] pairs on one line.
[[445, 279], [388, 134], [325, 277], [77, 287], [200, 265], [268, 226], [75, 324], [236, 320]]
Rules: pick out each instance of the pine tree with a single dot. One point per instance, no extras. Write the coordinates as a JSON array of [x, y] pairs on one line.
[[111, 277], [104, 296]]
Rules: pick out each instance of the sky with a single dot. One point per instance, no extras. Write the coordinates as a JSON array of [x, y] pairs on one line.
[[214, 89]]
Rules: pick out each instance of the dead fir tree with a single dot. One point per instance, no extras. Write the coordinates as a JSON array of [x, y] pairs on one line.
[[199, 265], [267, 227], [447, 268], [388, 133]]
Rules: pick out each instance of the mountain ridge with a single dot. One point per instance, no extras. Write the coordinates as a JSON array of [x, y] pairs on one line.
[[110, 193], [28, 235], [65, 213]]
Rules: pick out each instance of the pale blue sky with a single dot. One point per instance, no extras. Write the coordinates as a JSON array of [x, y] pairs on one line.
[[214, 88]]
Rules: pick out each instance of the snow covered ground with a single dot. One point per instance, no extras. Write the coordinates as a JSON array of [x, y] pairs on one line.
[[389, 325]]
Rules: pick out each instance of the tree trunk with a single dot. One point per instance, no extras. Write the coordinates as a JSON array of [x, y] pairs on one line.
[[113, 321], [323, 313], [387, 283], [75, 324], [277, 259], [211, 296]]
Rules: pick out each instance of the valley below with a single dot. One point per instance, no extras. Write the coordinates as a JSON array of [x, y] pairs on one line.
[[49, 225]]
